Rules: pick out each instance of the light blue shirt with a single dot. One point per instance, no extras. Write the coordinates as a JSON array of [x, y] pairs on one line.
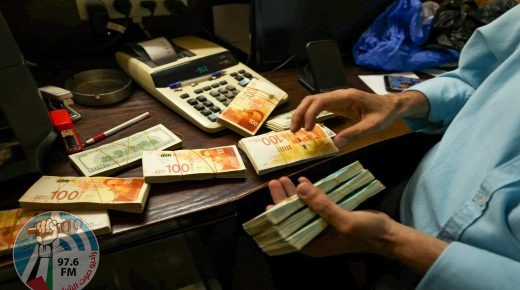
[[466, 190]]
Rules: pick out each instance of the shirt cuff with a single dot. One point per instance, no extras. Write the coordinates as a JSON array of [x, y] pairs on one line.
[[461, 266], [446, 95]]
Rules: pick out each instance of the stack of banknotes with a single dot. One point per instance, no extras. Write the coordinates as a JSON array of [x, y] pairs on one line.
[[11, 221], [251, 107], [283, 121], [194, 164], [290, 225], [109, 158], [86, 193], [275, 150]]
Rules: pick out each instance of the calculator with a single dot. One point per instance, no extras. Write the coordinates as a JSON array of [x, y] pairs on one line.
[[194, 77]]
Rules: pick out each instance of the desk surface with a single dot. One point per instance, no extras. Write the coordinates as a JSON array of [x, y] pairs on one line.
[[173, 206]]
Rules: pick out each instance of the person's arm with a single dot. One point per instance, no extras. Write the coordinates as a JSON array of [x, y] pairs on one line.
[[444, 265], [371, 231], [464, 266]]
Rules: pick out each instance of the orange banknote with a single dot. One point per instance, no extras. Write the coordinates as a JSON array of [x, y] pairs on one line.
[[56, 192], [195, 164], [275, 150], [251, 107]]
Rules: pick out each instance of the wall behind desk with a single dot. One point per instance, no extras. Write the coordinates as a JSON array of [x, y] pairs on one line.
[[51, 34]]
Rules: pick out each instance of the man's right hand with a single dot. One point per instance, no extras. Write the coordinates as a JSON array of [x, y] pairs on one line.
[[373, 112]]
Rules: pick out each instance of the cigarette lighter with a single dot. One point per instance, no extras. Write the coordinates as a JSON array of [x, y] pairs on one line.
[[63, 124]]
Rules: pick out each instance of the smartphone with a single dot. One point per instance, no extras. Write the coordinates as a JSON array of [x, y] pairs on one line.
[[399, 83], [325, 68]]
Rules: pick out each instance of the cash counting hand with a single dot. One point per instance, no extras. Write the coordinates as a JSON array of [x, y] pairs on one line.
[[194, 77]]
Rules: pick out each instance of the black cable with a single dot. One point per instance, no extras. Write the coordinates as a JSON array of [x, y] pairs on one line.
[[123, 6], [176, 7], [149, 5], [282, 64]]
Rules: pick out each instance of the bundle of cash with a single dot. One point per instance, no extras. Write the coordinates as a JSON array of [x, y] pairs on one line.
[[292, 204], [11, 221], [251, 107], [194, 164], [275, 150], [290, 225], [112, 157], [283, 121], [87, 193]]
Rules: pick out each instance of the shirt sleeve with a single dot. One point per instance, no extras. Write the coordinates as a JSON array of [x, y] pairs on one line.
[[448, 92], [462, 266]]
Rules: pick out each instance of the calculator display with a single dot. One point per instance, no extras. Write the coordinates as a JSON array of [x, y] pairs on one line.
[[195, 68]]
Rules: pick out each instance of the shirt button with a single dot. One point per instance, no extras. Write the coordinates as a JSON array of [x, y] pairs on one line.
[[481, 201]]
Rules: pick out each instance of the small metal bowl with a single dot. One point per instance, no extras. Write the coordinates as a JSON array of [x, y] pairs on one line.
[[99, 87]]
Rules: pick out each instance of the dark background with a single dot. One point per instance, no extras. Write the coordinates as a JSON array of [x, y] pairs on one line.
[[51, 35]]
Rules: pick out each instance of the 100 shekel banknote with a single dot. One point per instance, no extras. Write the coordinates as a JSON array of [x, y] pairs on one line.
[[86, 193], [275, 150], [194, 164], [109, 158], [251, 107]]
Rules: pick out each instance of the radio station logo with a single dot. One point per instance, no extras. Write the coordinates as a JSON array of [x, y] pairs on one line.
[[56, 250]]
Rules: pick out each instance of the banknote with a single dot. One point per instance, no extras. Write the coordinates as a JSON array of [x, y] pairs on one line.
[[283, 121], [335, 184], [194, 164], [251, 107], [298, 219], [274, 242], [275, 150], [12, 220], [87, 193], [109, 158]]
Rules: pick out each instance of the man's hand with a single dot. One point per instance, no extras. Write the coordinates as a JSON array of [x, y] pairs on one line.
[[373, 112], [360, 231], [356, 231]]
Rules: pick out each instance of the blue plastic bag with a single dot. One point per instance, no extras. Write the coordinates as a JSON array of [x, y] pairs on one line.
[[393, 42]]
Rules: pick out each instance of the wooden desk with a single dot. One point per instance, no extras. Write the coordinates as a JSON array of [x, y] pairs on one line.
[[179, 206]]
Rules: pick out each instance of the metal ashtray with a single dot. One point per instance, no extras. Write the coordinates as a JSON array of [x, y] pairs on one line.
[[99, 87]]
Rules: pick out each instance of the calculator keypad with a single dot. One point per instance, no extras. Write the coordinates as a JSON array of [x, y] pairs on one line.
[[217, 89]]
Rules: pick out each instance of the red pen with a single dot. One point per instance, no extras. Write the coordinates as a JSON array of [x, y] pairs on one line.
[[118, 128]]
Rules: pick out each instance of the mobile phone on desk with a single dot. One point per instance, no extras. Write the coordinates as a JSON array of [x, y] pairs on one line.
[[395, 83], [324, 71]]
